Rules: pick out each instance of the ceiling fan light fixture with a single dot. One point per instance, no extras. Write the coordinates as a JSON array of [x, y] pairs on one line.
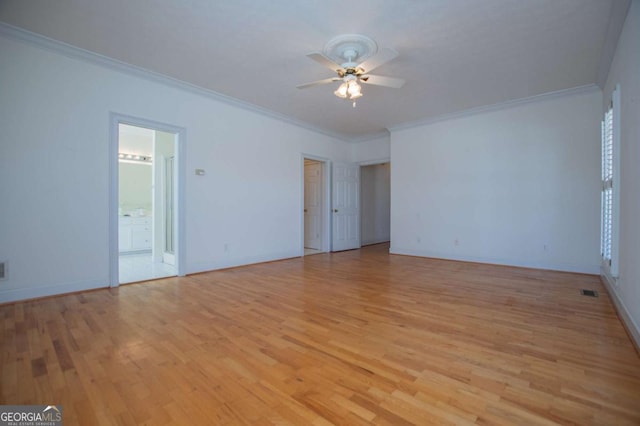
[[341, 92], [349, 88], [354, 89]]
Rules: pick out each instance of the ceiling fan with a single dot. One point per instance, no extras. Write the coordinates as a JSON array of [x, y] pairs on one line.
[[353, 57]]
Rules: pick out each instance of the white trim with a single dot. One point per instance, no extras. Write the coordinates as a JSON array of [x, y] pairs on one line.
[[74, 52], [374, 162], [22, 294], [114, 268], [326, 202], [114, 120], [198, 267], [114, 64], [374, 241], [611, 283], [582, 269], [589, 88], [615, 231], [382, 134], [181, 201]]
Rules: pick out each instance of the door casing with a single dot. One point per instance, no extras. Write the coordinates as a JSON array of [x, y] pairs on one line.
[[115, 119], [313, 232]]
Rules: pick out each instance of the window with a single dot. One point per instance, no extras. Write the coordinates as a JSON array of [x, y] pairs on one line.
[[607, 185], [610, 183]]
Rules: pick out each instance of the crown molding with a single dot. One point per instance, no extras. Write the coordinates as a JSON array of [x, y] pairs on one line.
[[370, 136], [588, 88], [70, 51]]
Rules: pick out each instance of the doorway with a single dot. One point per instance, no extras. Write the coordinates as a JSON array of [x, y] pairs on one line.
[[145, 219], [314, 207], [145, 204], [375, 217]]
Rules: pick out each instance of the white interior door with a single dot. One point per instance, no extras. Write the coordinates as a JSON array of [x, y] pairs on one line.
[[346, 206], [313, 206]]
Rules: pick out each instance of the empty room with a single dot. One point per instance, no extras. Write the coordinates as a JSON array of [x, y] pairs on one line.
[[312, 213]]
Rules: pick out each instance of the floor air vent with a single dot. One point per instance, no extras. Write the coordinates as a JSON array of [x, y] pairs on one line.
[[590, 293]]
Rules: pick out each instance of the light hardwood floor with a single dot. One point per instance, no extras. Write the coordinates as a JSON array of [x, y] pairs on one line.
[[359, 337]]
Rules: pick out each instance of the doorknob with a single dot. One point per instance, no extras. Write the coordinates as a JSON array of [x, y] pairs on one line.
[[305, 210], [335, 210]]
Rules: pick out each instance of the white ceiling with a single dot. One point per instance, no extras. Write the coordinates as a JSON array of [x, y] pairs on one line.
[[454, 54]]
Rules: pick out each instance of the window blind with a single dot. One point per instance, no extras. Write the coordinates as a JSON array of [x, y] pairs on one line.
[[607, 185]]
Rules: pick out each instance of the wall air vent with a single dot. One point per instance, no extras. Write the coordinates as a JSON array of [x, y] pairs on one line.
[[3, 270]]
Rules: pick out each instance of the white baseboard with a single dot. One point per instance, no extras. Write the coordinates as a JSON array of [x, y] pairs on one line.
[[375, 241], [621, 309], [195, 268], [19, 294], [582, 269]]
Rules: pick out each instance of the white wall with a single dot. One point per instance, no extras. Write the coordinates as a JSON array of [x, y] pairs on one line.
[[625, 70], [375, 191], [378, 149], [517, 186], [54, 115]]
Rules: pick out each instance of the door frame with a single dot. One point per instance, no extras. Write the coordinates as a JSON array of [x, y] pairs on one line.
[[325, 167], [164, 255], [115, 119]]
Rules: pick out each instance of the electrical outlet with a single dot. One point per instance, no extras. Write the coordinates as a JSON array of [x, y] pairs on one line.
[[456, 242]]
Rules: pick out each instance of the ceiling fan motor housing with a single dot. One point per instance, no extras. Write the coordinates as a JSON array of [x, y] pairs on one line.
[[349, 50], [353, 71]]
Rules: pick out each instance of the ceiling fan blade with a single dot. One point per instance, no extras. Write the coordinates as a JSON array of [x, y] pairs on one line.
[[319, 82], [384, 55], [323, 60], [380, 80]]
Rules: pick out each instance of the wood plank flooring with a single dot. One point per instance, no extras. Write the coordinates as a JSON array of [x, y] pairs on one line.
[[359, 337]]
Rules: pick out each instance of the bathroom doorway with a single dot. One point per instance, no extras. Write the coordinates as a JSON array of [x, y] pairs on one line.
[[145, 204], [145, 214]]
